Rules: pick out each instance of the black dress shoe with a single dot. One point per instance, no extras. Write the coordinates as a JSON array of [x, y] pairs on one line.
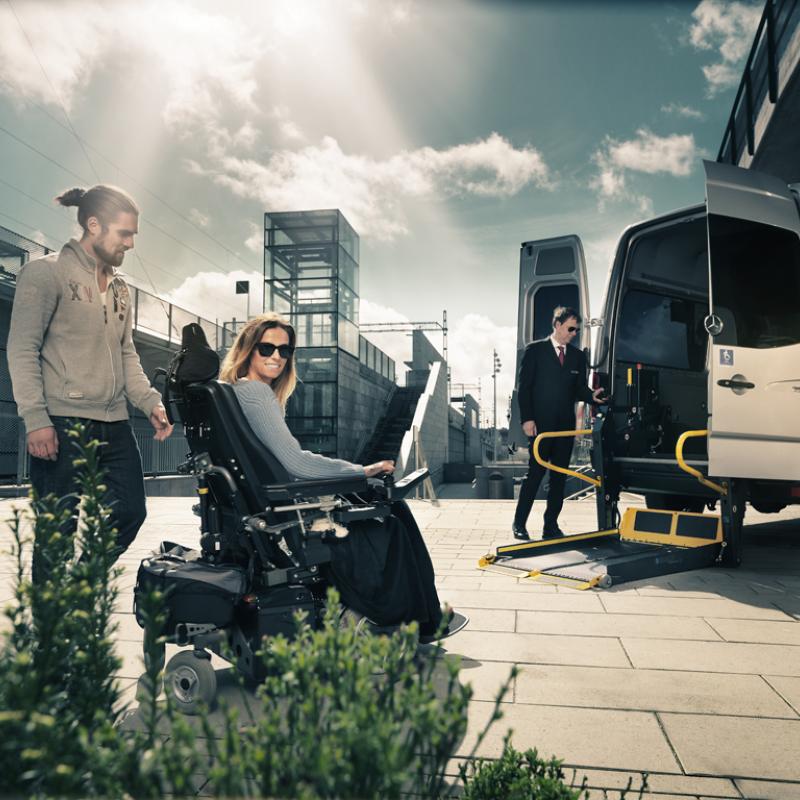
[[520, 532], [552, 533]]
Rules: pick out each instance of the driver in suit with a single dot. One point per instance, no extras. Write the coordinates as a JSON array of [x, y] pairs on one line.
[[552, 378]]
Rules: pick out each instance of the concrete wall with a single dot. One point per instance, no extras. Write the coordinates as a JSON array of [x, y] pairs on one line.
[[431, 420], [363, 397]]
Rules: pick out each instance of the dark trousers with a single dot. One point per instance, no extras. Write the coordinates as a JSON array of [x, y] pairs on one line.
[[122, 463], [557, 451]]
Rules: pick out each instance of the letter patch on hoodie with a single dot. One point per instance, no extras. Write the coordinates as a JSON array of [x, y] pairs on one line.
[[76, 289]]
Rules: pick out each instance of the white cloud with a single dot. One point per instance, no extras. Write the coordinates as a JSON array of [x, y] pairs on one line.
[[682, 111], [471, 342], [212, 294], [204, 57], [367, 189], [647, 153], [199, 218], [727, 28], [255, 241]]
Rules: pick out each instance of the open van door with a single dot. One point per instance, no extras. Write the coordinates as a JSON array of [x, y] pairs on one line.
[[552, 272], [753, 324]]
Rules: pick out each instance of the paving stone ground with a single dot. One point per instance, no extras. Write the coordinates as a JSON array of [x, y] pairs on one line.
[[693, 678]]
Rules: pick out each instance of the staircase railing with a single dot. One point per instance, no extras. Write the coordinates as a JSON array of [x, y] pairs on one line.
[[760, 79]]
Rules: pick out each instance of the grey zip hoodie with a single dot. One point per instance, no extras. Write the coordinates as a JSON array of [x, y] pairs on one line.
[[68, 353]]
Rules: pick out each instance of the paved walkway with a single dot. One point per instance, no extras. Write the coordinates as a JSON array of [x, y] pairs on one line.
[[693, 678]]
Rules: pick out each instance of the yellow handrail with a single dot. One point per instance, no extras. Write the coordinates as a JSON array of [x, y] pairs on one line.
[[548, 465], [723, 490]]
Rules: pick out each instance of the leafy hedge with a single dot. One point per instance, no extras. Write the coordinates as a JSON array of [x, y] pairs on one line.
[[340, 715]]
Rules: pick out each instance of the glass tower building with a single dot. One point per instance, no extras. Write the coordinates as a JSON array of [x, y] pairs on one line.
[[311, 276]]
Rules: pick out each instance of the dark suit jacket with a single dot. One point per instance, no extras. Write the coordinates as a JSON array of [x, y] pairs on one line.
[[547, 391]]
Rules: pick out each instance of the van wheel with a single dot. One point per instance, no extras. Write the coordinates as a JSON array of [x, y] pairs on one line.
[[675, 502], [190, 681]]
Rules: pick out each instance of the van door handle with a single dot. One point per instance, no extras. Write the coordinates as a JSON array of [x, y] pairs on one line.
[[733, 384]]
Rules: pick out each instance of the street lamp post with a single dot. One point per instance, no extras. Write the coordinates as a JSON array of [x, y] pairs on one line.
[[495, 369]]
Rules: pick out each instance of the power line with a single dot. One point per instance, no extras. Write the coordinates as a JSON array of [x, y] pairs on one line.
[[85, 144], [52, 87]]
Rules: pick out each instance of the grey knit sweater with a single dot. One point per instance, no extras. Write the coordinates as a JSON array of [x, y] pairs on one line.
[[265, 415], [69, 353]]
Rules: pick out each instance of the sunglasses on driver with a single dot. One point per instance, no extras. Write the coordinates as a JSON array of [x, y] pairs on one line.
[[572, 329], [266, 349]]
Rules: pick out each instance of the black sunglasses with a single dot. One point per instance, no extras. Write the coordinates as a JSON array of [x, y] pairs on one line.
[[572, 329], [266, 349]]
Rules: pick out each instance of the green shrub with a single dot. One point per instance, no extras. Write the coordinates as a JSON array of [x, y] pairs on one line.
[[340, 714]]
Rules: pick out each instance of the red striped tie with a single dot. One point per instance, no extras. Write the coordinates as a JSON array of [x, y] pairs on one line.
[[561, 355]]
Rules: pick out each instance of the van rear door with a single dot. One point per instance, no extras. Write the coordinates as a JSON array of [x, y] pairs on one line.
[[754, 325], [552, 272]]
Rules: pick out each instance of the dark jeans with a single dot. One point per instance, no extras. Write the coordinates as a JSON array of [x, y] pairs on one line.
[[558, 452], [122, 463]]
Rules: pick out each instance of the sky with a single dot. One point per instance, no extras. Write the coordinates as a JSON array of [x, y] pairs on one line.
[[447, 132]]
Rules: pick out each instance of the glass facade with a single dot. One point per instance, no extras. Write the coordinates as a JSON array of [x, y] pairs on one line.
[[311, 276]]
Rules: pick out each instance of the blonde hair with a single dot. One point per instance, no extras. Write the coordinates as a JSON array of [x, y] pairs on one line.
[[237, 361]]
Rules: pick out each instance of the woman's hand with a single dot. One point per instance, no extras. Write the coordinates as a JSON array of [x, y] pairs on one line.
[[379, 467]]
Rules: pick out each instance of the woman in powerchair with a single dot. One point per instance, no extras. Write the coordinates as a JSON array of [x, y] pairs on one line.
[[382, 569]]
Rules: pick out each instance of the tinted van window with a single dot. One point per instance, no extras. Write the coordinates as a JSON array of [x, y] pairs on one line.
[[755, 279], [661, 331]]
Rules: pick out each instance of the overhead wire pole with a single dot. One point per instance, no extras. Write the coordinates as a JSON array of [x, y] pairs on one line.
[[408, 327], [495, 369]]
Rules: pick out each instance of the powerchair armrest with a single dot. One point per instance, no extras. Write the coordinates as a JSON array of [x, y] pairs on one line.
[[318, 488], [405, 485]]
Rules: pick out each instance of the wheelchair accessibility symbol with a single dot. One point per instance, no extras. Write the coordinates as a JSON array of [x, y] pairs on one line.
[[726, 357]]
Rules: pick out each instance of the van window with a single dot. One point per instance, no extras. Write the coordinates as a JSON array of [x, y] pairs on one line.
[[755, 279], [541, 306], [555, 261], [661, 331], [673, 257]]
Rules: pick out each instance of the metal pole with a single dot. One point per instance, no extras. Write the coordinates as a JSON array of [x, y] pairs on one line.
[[494, 407]]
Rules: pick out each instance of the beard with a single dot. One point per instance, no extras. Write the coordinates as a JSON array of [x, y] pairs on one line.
[[111, 257]]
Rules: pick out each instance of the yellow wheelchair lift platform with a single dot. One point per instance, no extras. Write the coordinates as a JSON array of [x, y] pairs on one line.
[[647, 543]]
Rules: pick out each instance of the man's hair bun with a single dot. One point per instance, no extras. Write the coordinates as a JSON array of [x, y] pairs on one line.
[[72, 197]]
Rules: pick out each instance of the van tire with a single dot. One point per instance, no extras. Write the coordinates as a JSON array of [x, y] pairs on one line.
[[675, 502]]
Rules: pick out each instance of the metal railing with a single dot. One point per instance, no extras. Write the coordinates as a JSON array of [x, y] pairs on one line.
[[760, 79]]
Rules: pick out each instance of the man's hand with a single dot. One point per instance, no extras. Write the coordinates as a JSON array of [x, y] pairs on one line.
[[529, 428], [379, 467], [159, 421], [598, 395], [43, 443]]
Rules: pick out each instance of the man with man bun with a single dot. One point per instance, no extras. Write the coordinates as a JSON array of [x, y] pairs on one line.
[[71, 357]]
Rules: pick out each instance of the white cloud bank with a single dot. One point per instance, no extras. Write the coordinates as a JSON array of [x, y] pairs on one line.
[[728, 29], [368, 190], [647, 153], [210, 67], [682, 111]]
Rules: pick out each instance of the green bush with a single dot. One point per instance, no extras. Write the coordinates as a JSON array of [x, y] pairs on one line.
[[517, 776], [340, 714]]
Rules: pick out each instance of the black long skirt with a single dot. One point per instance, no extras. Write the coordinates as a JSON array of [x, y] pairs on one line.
[[384, 571]]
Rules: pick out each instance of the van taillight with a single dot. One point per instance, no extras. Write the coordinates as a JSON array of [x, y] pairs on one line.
[[795, 490]]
